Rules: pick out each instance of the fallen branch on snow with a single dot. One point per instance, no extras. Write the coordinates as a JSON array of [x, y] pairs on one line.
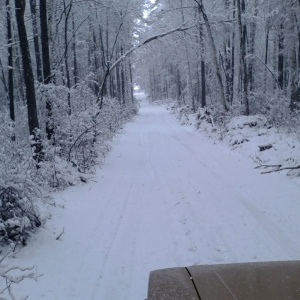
[[268, 166], [278, 168], [265, 147], [10, 277], [61, 234]]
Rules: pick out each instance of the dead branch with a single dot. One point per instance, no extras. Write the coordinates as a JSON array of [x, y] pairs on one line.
[[268, 166], [281, 169], [182, 28], [265, 147], [61, 234]]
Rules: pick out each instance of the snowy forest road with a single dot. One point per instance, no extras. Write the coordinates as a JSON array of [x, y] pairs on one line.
[[165, 197]]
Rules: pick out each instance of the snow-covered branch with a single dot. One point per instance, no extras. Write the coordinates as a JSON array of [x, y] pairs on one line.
[[183, 27], [13, 275]]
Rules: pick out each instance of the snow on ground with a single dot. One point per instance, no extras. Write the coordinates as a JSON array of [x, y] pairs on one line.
[[165, 197], [271, 149]]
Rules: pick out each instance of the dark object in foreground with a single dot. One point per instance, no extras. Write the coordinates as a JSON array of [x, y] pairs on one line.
[[242, 281]]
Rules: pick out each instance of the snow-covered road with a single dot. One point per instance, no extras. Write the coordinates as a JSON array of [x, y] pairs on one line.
[[165, 197]]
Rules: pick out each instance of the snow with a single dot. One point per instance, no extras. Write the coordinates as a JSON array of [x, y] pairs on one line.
[[167, 196]]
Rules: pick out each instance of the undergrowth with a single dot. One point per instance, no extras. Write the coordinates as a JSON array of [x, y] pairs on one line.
[[80, 141]]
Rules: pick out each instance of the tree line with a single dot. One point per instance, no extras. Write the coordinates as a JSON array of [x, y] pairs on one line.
[[60, 99], [64, 45], [239, 57]]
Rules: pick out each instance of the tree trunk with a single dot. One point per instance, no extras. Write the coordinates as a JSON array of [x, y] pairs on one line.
[[122, 80], [252, 45], [295, 66], [243, 52], [46, 65], [281, 58], [295, 89], [214, 54], [29, 83], [38, 61], [266, 56], [233, 53], [10, 63], [131, 81], [189, 73], [67, 12], [45, 41], [75, 72], [203, 72], [228, 57], [3, 79], [179, 87]]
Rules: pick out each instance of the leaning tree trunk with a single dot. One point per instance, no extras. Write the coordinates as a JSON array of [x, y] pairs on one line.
[[29, 83], [189, 72], [214, 53]]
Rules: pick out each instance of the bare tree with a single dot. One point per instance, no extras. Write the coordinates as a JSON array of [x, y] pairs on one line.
[[33, 122]]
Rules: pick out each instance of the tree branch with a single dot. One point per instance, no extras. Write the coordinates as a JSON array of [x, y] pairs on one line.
[[280, 169], [134, 48]]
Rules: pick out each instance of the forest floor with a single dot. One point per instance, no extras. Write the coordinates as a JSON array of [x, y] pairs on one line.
[[166, 196]]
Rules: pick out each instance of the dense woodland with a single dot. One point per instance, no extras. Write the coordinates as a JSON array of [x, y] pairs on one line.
[[60, 98], [68, 69], [232, 56]]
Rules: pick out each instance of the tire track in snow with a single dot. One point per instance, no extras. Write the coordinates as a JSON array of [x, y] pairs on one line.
[[285, 243], [164, 198], [186, 244]]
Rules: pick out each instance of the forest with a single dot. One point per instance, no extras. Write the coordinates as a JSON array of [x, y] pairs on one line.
[[235, 57], [68, 69], [60, 100]]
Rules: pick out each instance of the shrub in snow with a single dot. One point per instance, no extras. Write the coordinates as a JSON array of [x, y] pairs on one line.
[[243, 122], [81, 137], [277, 108], [18, 213], [183, 114], [79, 141], [241, 129], [204, 116]]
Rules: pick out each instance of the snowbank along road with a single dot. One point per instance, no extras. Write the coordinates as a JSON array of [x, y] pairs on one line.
[[165, 197]]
